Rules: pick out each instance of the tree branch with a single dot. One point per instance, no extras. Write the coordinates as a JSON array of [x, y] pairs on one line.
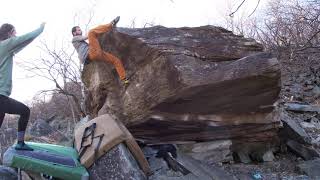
[[231, 14]]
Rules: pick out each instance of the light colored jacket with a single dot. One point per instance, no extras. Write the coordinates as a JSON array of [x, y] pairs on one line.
[[8, 48], [81, 46]]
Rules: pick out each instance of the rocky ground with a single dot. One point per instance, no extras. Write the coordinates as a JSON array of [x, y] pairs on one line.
[[283, 167]]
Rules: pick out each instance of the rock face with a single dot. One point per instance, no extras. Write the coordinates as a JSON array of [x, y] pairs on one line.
[[187, 84], [311, 168], [181, 166], [118, 163], [7, 173], [209, 152], [7, 137]]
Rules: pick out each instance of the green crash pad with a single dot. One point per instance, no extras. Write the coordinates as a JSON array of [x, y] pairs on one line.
[[53, 160]]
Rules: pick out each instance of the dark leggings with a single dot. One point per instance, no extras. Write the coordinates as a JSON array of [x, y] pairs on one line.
[[11, 106]]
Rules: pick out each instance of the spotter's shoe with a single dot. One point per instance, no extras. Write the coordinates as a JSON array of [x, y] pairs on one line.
[[22, 147]]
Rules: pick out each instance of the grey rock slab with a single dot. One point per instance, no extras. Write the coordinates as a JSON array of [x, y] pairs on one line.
[[7, 173], [310, 168], [116, 164]]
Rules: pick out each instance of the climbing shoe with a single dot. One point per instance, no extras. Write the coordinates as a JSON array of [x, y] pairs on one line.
[[115, 21], [23, 147], [125, 81]]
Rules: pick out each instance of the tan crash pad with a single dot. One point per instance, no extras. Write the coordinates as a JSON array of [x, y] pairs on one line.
[[113, 133]]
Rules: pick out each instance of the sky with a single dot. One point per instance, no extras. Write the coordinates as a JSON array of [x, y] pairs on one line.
[[61, 15]]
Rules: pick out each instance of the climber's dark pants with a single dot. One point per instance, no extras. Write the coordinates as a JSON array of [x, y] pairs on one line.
[[11, 106]]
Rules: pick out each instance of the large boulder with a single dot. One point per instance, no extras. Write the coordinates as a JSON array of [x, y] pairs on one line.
[[186, 84]]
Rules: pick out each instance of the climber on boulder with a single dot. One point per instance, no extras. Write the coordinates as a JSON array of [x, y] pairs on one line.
[[92, 51]]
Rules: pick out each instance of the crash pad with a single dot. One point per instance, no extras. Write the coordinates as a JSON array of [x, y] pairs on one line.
[[53, 160], [97, 136]]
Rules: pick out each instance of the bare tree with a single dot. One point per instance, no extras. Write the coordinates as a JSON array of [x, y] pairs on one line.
[[61, 68], [232, 13], [239, 6], [239, 23], [291, 25]]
